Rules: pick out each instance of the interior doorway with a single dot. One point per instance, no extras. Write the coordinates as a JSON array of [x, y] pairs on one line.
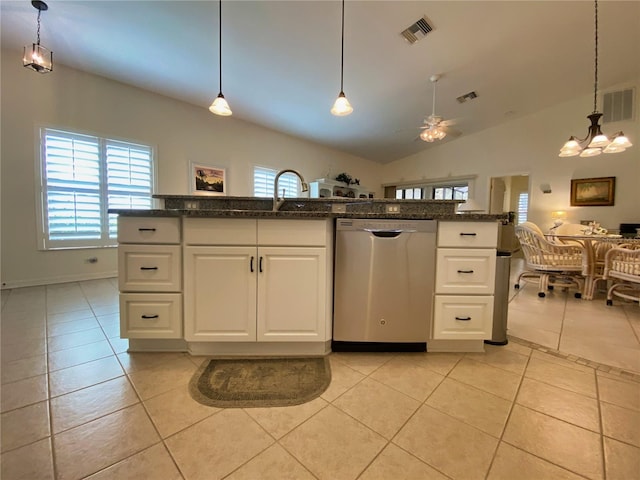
[[510, 194]]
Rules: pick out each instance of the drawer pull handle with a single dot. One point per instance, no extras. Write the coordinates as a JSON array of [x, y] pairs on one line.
[[148, 268], [251, 265], [150, 316], [462, 234], [465, 271], [146, 229], [260, 265], [466, 319]]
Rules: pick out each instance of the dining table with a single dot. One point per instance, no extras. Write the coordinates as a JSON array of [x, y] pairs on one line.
[[594, 246]]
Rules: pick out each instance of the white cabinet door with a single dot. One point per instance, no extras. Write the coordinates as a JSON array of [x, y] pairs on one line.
[[291, 294], [220, 293]]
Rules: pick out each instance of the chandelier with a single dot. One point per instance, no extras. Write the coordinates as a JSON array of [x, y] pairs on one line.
[[220, 105], [595, 142], [35, 56]]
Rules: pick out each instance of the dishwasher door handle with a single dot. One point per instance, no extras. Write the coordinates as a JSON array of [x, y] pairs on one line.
[[387, 233]]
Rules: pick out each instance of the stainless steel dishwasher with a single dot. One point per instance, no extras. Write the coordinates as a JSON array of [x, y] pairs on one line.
[[384, 283]]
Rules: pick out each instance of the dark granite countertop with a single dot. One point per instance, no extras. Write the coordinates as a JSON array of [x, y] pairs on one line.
[[301, 208]]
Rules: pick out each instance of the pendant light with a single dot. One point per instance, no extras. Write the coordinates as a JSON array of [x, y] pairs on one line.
[[35, 56], [342, 107], [595, 142], [220, 105]]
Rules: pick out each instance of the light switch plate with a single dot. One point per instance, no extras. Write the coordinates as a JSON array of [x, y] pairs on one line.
[[338, 208]]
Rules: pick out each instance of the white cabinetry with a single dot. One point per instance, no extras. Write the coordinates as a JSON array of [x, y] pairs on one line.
[[465, 280], [150, 277], [257, 280]]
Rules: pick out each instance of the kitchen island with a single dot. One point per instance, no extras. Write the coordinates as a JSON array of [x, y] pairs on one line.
[[234, 276]]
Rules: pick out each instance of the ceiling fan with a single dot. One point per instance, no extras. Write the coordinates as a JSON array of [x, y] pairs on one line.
[[434, 127]]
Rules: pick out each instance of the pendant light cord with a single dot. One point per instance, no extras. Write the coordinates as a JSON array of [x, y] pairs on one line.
[[595, 81], [220, 40], [342, 53], [38, 33]]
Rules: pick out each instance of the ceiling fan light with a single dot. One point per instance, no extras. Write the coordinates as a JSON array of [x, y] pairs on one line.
[[341, 107], [220, 106], [599, 140], [427, 136], [619, 140], [591, 152]]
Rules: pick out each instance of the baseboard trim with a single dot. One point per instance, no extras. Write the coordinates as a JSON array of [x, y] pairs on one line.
[[37, 282]]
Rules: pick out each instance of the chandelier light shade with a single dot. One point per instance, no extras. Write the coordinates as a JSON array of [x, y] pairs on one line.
[[595, 142], [35, 56], [433, 129], [342, 107], [220, 105]]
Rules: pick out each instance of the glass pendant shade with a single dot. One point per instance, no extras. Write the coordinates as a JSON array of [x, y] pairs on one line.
[[590, 152], [341, 107], [37, 58], [220, 106], [621, 141], [599, 140]]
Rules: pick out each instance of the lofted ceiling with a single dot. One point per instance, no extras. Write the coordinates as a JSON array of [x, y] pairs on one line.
[[281, 59]]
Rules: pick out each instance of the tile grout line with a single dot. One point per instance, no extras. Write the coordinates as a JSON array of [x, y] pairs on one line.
[[506, 422], [600, 423]]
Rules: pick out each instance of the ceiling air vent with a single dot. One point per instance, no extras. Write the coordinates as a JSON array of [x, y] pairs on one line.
[[617, 106], [417, 31], [467, 96]]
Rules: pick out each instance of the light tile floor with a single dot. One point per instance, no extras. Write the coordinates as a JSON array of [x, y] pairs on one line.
[[75, 405]]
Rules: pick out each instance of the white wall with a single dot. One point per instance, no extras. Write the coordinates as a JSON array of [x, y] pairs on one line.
[[530, 145], [180, 132]]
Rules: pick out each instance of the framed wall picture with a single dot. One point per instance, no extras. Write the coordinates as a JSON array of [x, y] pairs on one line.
[[207, 180], [587, 192]]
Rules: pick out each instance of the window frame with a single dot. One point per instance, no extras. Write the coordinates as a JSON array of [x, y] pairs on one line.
[[269, 193], [44, 242]]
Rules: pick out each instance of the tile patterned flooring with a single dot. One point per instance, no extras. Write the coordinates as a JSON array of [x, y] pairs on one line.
[[75, 404]]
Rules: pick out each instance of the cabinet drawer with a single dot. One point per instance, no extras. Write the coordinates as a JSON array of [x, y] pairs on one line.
[[468, 234], [220, 231], [149, 268], [148, 230], [466, 271], [462, 318], [151, 315], [295, 233]]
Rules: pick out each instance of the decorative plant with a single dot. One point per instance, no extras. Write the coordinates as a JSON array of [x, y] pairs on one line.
[[344, 177]]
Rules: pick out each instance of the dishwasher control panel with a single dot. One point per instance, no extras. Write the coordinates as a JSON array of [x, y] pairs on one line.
[[356, 224]]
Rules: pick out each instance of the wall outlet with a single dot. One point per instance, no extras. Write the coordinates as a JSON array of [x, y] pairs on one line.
[[393, 208], [192, 205], [338, 208]]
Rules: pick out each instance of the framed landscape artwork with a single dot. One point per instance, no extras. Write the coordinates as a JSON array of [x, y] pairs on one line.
[[207, 180], [586, 192]]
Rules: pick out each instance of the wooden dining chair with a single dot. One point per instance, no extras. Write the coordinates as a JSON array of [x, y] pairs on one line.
[[549, 264]]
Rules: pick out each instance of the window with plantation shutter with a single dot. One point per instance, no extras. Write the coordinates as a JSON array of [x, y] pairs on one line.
[[263, 179], [523, 207], [82, 177]]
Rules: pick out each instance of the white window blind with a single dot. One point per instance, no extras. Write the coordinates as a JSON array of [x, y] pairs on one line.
[[523, 207], [263, 179], [451, 192], [82, 177]]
